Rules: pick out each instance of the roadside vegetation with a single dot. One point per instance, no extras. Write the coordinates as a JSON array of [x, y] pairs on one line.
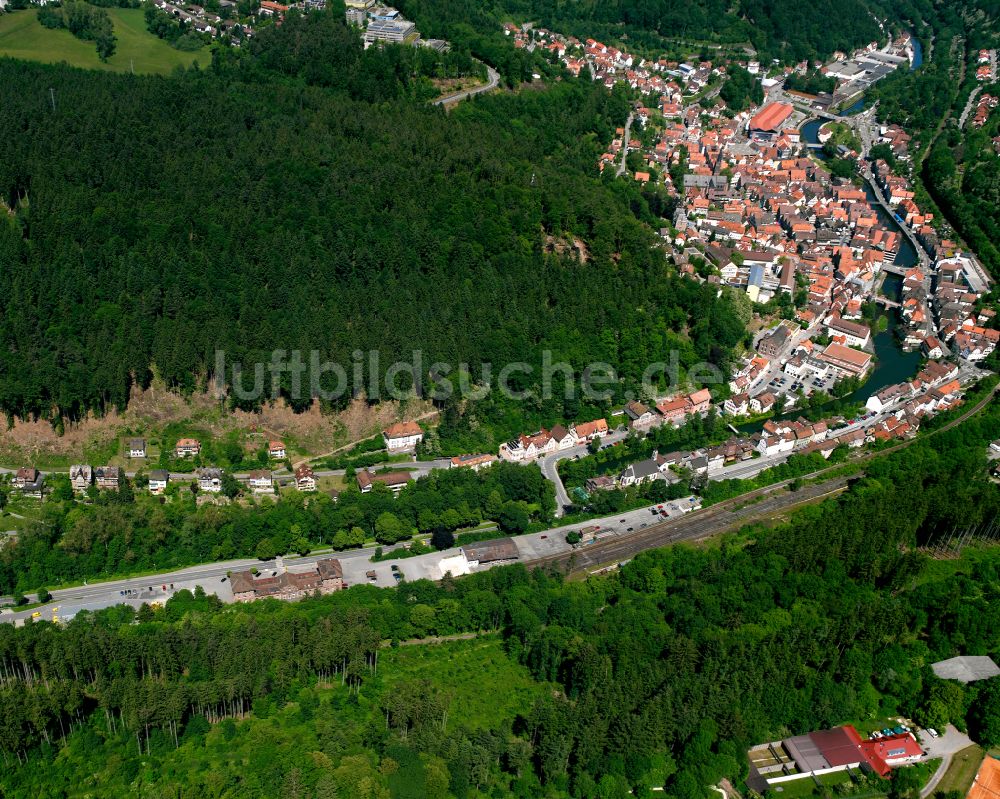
[[621, 683]]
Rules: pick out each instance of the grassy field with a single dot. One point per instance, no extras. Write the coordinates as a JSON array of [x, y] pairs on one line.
[[962, 771], [22, 36], [461, 669]]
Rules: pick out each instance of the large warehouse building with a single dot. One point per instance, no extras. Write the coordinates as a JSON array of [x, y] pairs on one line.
[[767, 123]]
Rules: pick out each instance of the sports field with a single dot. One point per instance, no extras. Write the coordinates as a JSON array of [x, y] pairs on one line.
[[22, 36]]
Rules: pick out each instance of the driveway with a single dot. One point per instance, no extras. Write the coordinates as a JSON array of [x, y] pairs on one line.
[[944, 746]]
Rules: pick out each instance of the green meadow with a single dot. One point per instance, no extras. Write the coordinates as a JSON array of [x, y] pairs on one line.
[[22, 36]]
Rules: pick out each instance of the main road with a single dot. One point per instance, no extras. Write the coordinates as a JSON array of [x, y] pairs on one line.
[[621, 536]]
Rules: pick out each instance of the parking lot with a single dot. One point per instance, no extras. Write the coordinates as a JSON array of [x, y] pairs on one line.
[[786, 384]]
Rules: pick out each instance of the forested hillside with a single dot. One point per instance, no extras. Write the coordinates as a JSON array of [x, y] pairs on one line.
[[157, 220], [782, 29], [660, 676]]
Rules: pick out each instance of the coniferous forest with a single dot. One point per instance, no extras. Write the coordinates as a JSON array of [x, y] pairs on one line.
[[299, 197], [658, 676]]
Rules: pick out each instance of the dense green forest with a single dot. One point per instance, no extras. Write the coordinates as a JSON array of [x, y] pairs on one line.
[[661, 675], [782, 29], [272, 203]]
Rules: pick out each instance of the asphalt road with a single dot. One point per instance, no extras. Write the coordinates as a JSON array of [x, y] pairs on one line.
[[492, 82], [622, 537], [628, 129], [550, 463]]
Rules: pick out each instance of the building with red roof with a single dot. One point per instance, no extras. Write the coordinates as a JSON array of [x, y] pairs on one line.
[[767, 122]]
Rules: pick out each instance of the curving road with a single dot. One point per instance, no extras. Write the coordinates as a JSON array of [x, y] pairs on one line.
[[492, 82]]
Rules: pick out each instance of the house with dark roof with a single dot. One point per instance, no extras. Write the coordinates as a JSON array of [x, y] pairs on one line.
[[158, 479], [496, 551], [107, 477], [642, 472], [394, 481], [639, 416], [325, 577], [136, 448], [81, 476]]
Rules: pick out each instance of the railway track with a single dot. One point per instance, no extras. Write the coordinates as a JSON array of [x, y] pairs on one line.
[[717, 519], [729, 514]]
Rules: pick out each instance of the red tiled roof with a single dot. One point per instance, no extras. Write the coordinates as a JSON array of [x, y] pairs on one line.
[[771, 117]]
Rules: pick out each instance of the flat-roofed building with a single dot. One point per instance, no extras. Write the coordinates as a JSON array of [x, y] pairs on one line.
[[394, 31]]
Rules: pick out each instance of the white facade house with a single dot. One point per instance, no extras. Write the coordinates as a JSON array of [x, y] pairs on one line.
[[261, 482], [158, 479], [402, 436], [210, 481]]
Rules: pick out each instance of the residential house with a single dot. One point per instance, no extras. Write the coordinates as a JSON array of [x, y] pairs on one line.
[[640, 417], [673, 410], [395, 481], [700, 401], [600, 483], [158, 479], [80, 477], [29, 482], [210, 480], [931, 348], [737, 405], [188, 448], [590, 430], [562, 437], [136, 447], [271, 9], [107, 477], [762, 403], [261, 481], [639, 473], [528, 448], [474, 462], [402, 436], [24, 476], [305, 479], [276, 450]]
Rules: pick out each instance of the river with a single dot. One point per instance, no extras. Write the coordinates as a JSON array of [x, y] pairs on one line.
[[918, 58], [892, 364]]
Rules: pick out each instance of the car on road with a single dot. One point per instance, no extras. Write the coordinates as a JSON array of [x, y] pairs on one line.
[[932, 732]]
